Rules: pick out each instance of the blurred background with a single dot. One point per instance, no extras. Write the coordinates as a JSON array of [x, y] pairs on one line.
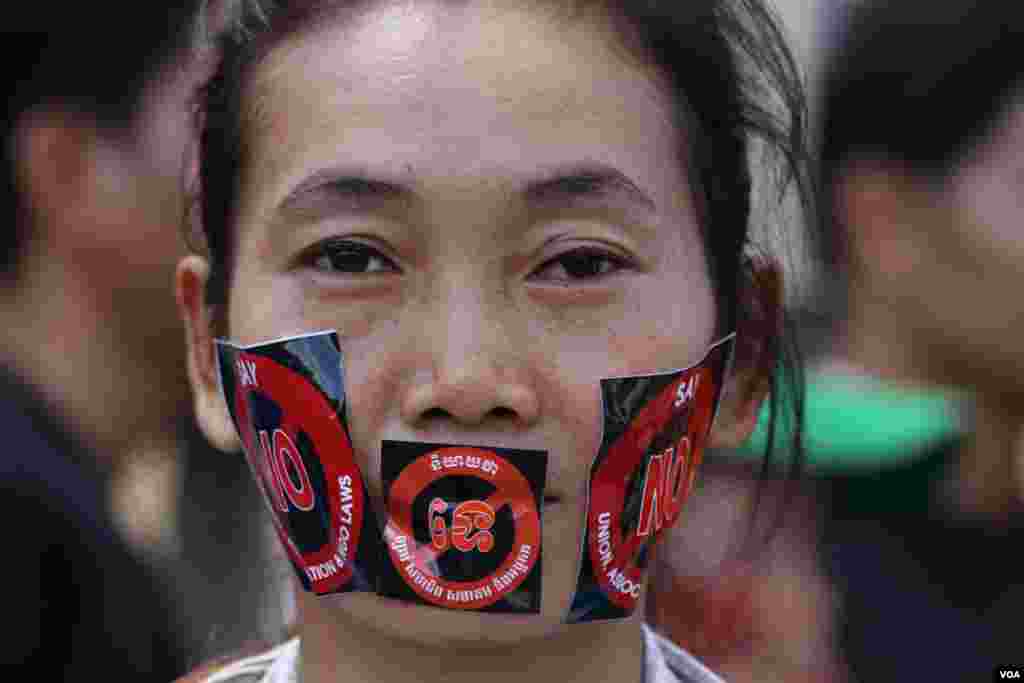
[[890, 547]]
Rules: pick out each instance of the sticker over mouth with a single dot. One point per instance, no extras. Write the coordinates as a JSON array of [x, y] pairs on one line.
[[463, 526]]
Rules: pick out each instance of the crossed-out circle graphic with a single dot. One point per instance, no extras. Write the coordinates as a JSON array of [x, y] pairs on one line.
[[475, 526], [303, 459], [661, 482]]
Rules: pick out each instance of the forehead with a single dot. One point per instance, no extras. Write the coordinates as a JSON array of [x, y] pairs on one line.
[[460, 89]]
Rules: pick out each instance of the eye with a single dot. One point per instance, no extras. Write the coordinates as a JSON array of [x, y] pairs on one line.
[[346, 257], [585, 263]]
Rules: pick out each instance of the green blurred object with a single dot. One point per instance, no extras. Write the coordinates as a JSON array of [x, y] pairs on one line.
[[856, 421]]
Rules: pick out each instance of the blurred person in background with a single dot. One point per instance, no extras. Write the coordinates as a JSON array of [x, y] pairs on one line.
[[96, 122], [922, 156], [865, 405], [914, 407]]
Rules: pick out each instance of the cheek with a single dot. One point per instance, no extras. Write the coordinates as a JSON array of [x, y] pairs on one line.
[[373, 386], [670, 327], [641, 342], [264, 301], [570, 398], [259, 311], [635, 352]]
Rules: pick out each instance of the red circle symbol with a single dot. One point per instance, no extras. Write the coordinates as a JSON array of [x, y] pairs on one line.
[[277, 463], [665, 485], [415, 562]]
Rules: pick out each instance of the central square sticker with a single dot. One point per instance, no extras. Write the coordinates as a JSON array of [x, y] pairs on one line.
[[463, 526]]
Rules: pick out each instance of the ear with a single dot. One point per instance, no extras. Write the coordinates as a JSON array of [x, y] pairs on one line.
[[211, 411], [758, 330]]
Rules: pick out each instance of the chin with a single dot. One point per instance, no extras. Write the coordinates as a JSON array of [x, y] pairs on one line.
[[416, 623], [438, 627]]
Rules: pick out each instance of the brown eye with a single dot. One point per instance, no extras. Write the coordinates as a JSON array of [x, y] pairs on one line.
[[349, 258], [581, 264]]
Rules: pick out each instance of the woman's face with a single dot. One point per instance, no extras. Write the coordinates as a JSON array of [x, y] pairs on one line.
[[486, 202]]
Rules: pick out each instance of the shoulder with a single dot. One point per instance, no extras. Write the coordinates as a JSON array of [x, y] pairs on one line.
[[276, 665], [46, 467], [666, 662]]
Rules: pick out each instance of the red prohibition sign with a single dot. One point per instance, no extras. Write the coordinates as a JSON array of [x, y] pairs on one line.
[[513, 490], [620, 577], [304, 409]]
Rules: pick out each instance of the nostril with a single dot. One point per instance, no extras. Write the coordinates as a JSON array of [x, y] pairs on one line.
[[435, 414]]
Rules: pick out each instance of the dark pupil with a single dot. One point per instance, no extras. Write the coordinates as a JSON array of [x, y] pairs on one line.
[[349, 260], [582, 264]]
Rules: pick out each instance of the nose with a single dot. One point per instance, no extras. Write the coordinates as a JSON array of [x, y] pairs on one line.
[[478, 373], [471, 394]]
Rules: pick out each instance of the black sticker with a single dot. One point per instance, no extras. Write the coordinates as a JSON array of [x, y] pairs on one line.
[[464, 526], [287, 400], [655, 427]]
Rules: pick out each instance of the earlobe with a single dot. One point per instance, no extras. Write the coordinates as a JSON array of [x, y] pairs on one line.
[[739, 411], [758, 332], [214, 421], [211, 412]]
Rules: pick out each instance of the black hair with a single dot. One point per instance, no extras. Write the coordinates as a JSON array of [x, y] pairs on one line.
[[89, 59], [918, 83], [733, 81]]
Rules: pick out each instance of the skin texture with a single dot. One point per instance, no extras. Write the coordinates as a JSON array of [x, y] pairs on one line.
[[937, 265], [467, 328]]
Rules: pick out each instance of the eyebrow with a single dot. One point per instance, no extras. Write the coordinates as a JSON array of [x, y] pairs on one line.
[[580, 184], [584, 184], [346, 189]]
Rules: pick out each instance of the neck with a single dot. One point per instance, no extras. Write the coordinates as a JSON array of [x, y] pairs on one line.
[[336, 649], [989, 475]]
